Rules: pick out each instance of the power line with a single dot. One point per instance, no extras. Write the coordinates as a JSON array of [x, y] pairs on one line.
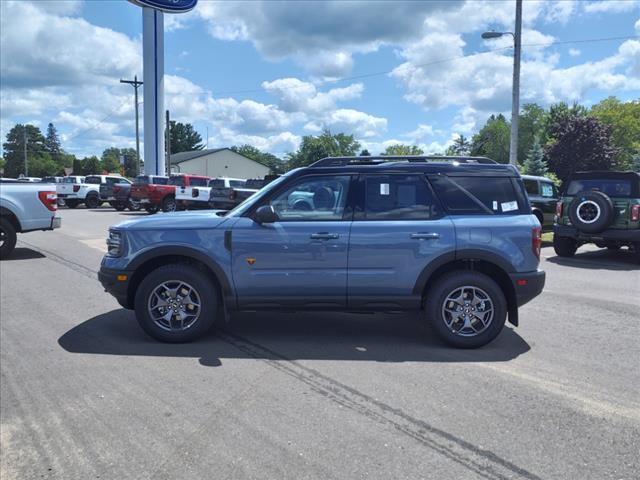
[[445, 60], [98, 123]]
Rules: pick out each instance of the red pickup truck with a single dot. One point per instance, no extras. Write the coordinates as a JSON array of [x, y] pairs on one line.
[[157, 192]]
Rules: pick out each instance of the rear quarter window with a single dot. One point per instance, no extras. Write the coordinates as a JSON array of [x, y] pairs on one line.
[[93, 180], [611, 187], [480, 195]]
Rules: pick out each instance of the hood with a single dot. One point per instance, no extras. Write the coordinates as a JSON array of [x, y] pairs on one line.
[[174, 221]]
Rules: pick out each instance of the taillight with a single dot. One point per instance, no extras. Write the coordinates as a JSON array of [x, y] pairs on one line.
[[536, 241], [635, 213], [49, 200], [76, 188], [559, 208]]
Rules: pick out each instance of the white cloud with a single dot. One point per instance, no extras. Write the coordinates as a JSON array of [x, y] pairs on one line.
[[574, 52], [419, 133], [611, 6], [637, 26]]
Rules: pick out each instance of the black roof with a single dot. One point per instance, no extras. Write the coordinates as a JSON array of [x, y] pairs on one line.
[[451, 166]]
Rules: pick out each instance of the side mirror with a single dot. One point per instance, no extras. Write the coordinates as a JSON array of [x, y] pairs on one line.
[[266, 214]]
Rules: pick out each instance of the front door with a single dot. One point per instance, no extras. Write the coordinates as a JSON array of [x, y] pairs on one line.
[[301, 259], [398, 230]]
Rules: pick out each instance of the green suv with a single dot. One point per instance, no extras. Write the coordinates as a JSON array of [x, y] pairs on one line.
[[601, 208]]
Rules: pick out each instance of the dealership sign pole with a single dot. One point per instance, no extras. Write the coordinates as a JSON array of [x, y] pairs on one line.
[[153, 86]]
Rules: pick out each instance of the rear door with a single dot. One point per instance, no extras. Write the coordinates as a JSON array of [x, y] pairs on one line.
[[398, 229]]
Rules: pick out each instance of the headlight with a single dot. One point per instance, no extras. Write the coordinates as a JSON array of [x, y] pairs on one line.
[[114, 243]]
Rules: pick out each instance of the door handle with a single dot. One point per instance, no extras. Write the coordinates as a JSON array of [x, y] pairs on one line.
[[324, 236], [425, 236]]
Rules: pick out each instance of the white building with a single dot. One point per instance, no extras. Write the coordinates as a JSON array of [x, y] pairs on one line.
[[217, 162]]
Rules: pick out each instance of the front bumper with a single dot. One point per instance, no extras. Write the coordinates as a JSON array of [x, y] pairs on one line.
[[527, 285], [621, 235], [113, 283]]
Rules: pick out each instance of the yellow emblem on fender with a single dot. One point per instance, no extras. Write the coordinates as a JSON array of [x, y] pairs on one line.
[[251, 260]]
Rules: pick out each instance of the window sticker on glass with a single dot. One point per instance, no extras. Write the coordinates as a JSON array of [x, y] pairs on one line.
[[495, 205], [384, 189], [509, 206], [547, 190]]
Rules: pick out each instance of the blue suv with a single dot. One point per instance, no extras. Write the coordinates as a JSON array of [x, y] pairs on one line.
[[452, 237]]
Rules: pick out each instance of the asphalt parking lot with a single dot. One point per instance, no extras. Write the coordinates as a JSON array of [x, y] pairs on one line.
[[85, 394]]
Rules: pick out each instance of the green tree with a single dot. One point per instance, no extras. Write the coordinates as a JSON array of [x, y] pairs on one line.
[[399, 150], [364, 153], [461, 145], [78, 166], [184, 138], [91, 165], [14, 149], [312, 148], [493, 139], [531, 127], [52, 141], [579, 143], [535, 163], [275, 164], [110, 160], [2, 164], [635, 162], [624, 119]]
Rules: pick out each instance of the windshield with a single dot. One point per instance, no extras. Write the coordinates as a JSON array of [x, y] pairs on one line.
[[245, 205]]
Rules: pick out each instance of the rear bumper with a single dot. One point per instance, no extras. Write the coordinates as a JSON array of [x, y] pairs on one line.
[[527, 285], [118, 288], [609, 234]]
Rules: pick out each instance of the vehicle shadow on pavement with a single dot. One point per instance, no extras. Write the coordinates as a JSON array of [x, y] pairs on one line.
[[23, 253], [621, 260], [291, 336]]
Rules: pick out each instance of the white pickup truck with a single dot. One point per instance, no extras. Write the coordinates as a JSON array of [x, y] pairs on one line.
[[195, 196], [25, 207], [74, 190]]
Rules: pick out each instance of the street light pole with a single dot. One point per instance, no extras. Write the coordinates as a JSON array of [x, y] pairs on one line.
[[26, 167], [136, 84], [515, 90]]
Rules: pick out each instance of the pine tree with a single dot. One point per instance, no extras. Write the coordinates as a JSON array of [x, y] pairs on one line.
[[52, 141], [535, 164]]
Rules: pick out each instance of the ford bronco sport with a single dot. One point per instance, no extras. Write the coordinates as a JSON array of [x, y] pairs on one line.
[[601, 208], [452, 237]]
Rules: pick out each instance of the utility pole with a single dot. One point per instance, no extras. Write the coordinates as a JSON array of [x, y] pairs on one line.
[[168, 143], [136, 84], [24, 146], [515, 94]]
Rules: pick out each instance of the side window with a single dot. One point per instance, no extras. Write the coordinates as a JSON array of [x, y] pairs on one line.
[[532, 187], [398, 197], [312, 199], [478, 195], [198, 182], [236, 183]]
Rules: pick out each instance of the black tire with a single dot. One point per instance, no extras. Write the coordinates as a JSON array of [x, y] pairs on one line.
[[449, 283], [591, 211], [564, 246], [199, 281], [120, 207], [169, 204], [8, 237], [134, 206], [71, 203], [92, 201], [151, 209], [113, 204]]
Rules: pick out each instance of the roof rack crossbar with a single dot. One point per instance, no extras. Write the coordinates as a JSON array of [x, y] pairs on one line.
[[378, 159]]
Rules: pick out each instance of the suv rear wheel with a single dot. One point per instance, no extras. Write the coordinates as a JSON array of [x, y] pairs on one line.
[[176, 303], [467, 309], [92, 201], [8, 237], [564, 246]]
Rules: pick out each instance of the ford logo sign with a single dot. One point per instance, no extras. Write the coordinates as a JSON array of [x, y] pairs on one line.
[[169, 6]]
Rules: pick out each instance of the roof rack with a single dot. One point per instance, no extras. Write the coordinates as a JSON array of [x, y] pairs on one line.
[[379, 159]]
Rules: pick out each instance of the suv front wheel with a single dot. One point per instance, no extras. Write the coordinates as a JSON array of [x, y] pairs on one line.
[[176, 303], [467, 309]]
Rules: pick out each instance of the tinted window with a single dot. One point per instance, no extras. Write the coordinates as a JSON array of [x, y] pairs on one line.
[[93, 180], [477, 195], [313, 198], [257, 184], [398, 197], [217, 183], [613, 188], [177, 180], [236, 183], [531, 186], [198, 182], [159, 180]]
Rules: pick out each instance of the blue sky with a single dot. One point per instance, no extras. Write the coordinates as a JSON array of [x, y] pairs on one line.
[[267, 73]]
